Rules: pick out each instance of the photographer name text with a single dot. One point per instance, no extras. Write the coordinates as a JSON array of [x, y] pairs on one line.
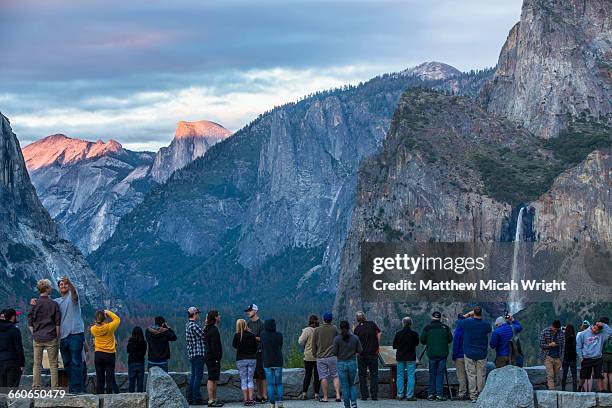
[[482, 285]]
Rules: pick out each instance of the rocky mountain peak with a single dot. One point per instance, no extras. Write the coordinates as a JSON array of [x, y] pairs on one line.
[[191, 140], [432, 70], [555, 65], [62, 150], [201, 128]]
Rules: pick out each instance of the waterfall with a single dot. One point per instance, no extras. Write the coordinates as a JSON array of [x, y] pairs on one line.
[[516, 302]]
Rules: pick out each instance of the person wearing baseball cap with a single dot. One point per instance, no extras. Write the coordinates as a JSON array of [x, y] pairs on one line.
[[256, 326], [327, 362], [194, 333], [12, 358], [436, 336]]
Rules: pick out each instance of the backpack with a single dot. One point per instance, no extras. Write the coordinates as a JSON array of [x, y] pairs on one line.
[[516, 350]]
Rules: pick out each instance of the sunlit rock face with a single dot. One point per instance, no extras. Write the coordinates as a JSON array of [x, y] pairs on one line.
[[192, 140], [432, 71], [30, 246], [87, 186]]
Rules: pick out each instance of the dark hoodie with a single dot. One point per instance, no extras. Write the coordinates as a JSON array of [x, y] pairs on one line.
[[11, 348], [212, 342], [159, 339], [271, 345], [137, 348]]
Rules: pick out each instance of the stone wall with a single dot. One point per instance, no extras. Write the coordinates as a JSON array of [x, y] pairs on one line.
[[564, 399], [229, 382]]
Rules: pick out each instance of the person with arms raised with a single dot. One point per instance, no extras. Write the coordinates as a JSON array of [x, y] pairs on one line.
[[158, 338], [475, 346], [506, 327], [103, 333], [589, 347]]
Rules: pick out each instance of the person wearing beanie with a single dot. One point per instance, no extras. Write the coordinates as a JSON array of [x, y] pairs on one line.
[[436, 336], [505, 330], [323, 350]]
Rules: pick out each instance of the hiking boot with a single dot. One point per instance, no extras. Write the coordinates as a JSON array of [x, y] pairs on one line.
[[431, 397], [441, 398]]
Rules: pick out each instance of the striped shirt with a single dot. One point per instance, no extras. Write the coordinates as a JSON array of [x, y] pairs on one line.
[[195, 339]]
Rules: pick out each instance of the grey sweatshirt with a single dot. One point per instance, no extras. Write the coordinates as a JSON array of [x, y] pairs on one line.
[[346, 350], [589, 345]]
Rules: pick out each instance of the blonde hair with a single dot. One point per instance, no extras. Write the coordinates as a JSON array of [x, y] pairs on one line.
[[241, 327], [42, 285]]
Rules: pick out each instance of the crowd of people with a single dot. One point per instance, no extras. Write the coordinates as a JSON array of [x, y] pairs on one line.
[[338, 355]]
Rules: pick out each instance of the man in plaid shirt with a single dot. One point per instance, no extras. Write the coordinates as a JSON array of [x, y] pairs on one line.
[[195, 351], [552, 346]]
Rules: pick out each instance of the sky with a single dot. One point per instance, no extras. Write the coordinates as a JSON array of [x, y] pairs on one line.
[[130, 69]]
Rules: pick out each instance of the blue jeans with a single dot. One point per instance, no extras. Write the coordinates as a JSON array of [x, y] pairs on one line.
[[136, 373], [163, 365], [347, 371], [195, 380], [407, 367], [437, 368], [274, 377], [71, 348]]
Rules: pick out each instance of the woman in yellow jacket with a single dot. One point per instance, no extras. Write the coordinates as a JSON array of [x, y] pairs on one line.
[[103, 333]]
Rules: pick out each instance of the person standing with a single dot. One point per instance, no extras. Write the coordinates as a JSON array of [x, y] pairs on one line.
[[272, 353], [569, 357], [367, 361], [44, 322], [346, 347], [475, 345], [459, 358], [158, 338], [194, 334], [12, 358], [245, 344], [214, 354], [323, 350], [589, 347], [256, 327], [505, 330], [310, 362], [406, 342], [436, 336], [552, 341], [103, 333], [136, 349], [72, 334], [607, 360]]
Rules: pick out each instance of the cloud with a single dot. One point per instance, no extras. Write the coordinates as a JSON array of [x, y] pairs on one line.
[[132, 69]]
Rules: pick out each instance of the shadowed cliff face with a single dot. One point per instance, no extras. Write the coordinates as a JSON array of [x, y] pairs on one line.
[[272, 203], [556, 63], [30, 248]]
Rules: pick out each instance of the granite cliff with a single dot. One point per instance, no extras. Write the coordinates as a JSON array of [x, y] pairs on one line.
[[30, 246]]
